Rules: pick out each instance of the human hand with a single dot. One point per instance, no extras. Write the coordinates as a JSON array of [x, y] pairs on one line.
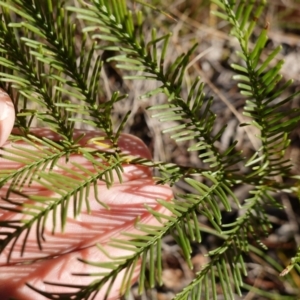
[[58, 260]]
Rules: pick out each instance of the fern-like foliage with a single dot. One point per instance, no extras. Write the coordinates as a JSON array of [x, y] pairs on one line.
[[50, 57]]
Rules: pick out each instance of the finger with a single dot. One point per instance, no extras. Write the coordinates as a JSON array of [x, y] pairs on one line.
[[128, 144], [61, 269], [7, 116], [49, 276], [126, 202]]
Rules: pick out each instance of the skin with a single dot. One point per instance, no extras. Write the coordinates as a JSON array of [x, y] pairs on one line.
[[58, 260], [7, 116]]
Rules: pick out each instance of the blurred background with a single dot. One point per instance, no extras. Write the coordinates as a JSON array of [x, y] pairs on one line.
[[191, 21]]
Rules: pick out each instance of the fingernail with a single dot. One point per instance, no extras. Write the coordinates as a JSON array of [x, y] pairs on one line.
[[5, 109], [7, 117]]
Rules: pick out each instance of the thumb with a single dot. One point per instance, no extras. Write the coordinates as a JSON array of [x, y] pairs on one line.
[[7, 116]]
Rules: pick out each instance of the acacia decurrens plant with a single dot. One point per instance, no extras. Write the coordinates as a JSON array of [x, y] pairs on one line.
[[51, 59]]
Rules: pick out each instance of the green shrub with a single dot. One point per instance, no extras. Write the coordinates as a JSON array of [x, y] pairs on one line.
[[51, 63]]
